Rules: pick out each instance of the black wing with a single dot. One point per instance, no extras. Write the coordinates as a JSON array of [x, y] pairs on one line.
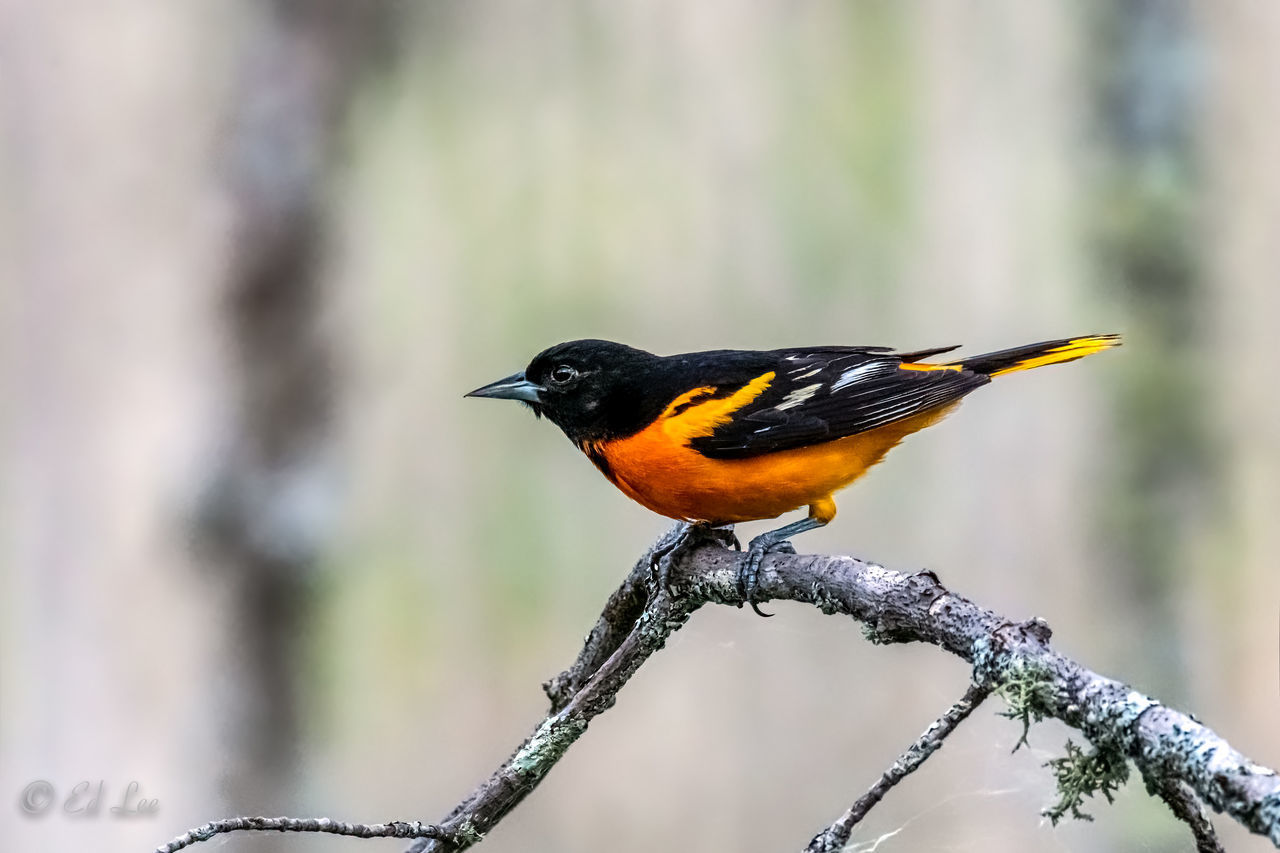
[[823, 394]]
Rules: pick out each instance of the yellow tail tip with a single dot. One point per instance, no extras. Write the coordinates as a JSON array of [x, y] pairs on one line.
[[1062, 352]]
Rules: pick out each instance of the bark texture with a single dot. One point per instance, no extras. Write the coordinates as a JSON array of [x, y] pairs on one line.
[[1170, 749], [1181, 760]]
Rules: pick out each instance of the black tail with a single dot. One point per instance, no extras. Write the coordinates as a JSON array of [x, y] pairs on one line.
[[1038, 355]]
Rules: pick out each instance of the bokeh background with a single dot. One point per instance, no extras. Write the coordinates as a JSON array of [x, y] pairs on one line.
[[260, 556]]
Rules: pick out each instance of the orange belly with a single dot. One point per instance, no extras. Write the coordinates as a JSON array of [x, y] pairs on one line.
[[672, 479]]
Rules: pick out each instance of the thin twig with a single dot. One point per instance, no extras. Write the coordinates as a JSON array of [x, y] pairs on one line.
[[623, 609], [395, 829], [834, 837], [620, 614], [1183, 803], [660, 616]]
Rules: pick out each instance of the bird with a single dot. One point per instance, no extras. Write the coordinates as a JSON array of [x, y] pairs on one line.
[[721, 437]]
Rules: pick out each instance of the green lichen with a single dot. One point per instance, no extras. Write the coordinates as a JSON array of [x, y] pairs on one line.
[[1081, 774], [1027, 688], [826, 602], [468, 833], [546, 746]]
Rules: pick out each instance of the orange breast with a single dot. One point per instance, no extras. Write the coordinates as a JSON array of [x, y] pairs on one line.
[[657, 468]]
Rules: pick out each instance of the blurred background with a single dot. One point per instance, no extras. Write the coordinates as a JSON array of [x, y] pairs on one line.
[[258, 555]]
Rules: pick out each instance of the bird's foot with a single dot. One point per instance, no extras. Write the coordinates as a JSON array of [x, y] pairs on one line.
[[749, 569], [682, 540]]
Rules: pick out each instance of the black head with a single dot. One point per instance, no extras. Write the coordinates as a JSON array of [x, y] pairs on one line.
[[593, 390]]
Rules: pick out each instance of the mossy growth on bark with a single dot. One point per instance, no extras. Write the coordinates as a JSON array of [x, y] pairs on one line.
[[1084, 773], [1027, 688]]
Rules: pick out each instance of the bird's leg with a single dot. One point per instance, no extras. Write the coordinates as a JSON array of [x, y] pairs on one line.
[[725, 535], [685, 537], [773, 540]]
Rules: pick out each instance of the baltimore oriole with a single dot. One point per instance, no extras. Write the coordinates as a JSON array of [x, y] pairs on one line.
[[715, 438]]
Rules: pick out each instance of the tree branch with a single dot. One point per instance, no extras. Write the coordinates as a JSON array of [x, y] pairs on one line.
[[623, 639], [835, 837], [395, 829], [1184, 805], [1175, 754], [1163, 743]]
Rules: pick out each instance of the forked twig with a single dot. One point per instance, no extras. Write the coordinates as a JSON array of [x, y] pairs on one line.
[[1177, 756], [836, 836]]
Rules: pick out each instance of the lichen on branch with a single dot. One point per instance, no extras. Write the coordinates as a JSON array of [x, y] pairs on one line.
[[1179, 758]]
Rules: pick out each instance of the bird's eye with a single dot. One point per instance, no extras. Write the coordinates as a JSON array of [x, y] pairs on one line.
[[562, 374]]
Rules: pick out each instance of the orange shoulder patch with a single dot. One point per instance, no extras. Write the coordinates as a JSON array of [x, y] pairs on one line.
[[682, 422]]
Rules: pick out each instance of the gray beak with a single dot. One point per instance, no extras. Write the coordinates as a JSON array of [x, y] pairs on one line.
[[514, 387]]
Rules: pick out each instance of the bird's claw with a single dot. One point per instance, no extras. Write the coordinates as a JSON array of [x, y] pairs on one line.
[[749, 570], [684, 539]]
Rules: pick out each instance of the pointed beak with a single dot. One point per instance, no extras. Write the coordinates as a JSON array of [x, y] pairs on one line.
[[512, 388]]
